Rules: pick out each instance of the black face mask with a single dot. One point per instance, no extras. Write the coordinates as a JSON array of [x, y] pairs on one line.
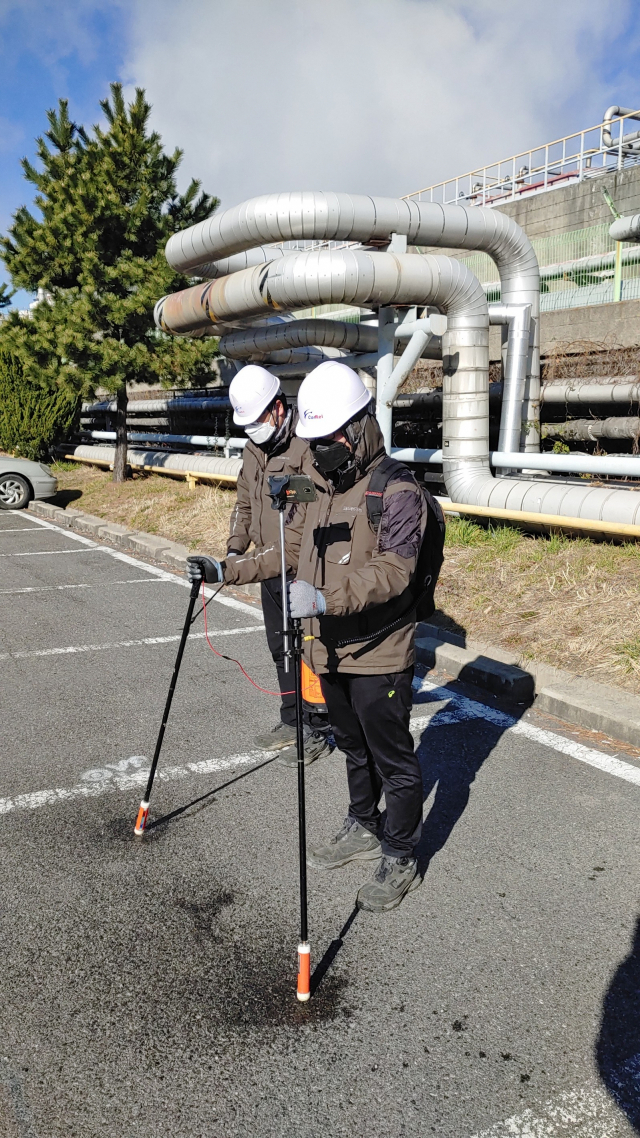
[[330, 456]]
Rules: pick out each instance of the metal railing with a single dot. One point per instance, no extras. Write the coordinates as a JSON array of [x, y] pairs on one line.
[[570, 159]]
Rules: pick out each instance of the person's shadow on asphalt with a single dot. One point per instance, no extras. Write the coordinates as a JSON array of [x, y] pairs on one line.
[[618, 1046], [450, 756]]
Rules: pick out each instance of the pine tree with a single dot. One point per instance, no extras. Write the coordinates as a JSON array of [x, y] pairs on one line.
[[5, 297], [108, 202]]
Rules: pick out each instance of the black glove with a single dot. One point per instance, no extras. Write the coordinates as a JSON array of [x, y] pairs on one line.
[[201, 568]]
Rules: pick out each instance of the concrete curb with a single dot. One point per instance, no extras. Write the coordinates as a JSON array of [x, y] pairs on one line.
[[144, 544], [574, 698], [577, 699], [149, 545]]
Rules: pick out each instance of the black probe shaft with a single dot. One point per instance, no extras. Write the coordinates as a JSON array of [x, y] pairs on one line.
[[144, 805], [304, 959]]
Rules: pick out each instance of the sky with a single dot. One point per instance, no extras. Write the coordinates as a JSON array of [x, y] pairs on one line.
[[368, 96]]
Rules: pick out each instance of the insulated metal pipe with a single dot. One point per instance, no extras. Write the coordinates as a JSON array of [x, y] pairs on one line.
[[604, 465], [162, 461], [189, 440], [517, 317], [321, 216], [626, 228], [420, 332], [608, 465], [584, 391], [300, 334], [384, 371], [590, 430], [615, 113], [347, 276], [370, 279], [156, 406]]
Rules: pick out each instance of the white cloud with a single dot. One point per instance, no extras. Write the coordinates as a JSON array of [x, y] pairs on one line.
[[377, 96]]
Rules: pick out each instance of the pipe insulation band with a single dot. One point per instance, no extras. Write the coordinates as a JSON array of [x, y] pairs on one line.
[[321, 216]]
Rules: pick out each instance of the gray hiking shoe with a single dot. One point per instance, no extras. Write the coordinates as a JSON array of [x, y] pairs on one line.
[[315, 745], [394, 877], [277, 738], [352, 843]]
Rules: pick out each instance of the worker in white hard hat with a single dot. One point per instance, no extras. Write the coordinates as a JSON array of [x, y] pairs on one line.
[[260, 407], [358, 583]]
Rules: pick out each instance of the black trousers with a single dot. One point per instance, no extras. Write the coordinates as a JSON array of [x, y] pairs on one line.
[[271, 591], [369, 716]]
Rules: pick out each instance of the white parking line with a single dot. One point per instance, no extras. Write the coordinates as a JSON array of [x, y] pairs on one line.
[[585, 1113], [18, 529], [99, 585], [72, 649], [49, 552], [221, 599], [460, 709], [118, 776]]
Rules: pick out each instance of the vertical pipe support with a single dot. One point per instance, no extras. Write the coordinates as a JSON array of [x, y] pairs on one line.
[[384, 368], [617, 275], [517, 317]]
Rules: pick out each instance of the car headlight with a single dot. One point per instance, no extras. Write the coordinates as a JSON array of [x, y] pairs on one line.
[[46, 469]]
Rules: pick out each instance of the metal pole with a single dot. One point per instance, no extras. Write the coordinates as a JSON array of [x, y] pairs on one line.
[[143, 812], [285, 600], [617, 275], [304, 954]]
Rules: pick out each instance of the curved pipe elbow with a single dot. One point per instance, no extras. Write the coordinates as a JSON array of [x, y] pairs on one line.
[[350, 276], [615, 113], [324, 216]]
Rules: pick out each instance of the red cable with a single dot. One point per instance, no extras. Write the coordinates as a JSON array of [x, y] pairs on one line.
[[231, 658]]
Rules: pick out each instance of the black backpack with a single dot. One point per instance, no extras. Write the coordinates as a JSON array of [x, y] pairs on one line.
[[431, 553]]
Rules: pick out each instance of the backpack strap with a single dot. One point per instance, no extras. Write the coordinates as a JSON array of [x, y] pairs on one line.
[[378, 482]]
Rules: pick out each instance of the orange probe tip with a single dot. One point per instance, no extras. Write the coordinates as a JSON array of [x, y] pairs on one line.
[[304, 973], [141, 820]]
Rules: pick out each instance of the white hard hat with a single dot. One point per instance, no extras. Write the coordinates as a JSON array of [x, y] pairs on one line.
[[251, 391], [330, 395]]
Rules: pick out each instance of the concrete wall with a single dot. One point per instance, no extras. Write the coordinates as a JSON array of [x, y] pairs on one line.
[[577, 206], [613, 325]]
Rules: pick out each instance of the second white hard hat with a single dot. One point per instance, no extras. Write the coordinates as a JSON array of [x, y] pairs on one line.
[[329, 396], [251, 391]]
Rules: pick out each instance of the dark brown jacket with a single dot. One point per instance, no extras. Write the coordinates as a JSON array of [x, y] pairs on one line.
[[364, 577], [253, 521]]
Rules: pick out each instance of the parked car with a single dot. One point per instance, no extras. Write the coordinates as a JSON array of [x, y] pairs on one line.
[[21, 480]]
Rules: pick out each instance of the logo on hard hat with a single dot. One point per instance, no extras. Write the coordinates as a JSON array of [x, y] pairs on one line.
[[309, 415]]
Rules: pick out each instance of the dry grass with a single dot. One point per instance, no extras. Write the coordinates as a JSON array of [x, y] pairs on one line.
[[568, 602], [584, 358], [197, 518]]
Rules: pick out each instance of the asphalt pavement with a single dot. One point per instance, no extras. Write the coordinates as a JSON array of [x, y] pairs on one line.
[[148, 985]]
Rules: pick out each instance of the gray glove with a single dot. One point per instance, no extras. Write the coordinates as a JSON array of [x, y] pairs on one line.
[[201, 568], [305, 600]]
